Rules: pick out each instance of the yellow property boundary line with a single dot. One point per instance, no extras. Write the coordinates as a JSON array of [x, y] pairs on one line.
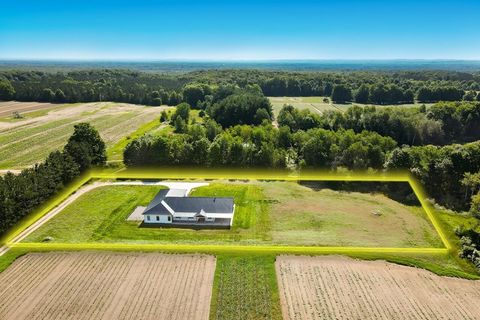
[[228, 174]]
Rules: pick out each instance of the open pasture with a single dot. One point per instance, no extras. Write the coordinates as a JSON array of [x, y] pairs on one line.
[[331, 287], [301, 215], [30, 140], [94, 285], [317, 105]]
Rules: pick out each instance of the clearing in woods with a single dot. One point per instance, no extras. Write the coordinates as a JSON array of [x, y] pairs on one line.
[[333, 287], [94, 285], [23, 142], [317, 105]]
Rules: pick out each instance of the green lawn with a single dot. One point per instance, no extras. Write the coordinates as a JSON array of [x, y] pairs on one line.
[[96, 216], [100, 216], [278, 213]]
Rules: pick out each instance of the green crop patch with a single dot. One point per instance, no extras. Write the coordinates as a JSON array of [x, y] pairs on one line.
[[270, 230]]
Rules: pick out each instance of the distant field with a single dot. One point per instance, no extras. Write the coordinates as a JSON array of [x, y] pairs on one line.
[[341, 288], [280, 213], [316, 104], [27, 141], [25, 109], [88, 285]]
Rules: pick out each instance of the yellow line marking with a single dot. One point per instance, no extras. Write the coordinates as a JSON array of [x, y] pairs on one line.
[[219, 174]]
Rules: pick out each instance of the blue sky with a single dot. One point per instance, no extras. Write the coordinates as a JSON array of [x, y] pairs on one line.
[[240, 30]]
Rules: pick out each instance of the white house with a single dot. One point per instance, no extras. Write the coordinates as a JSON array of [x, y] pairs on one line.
[[189, 211]]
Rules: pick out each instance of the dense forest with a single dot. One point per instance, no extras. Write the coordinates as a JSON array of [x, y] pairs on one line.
[[21, 194], [376, 87]]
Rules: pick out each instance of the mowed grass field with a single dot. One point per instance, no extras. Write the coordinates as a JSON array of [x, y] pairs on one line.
[[317, 105], [278, 213], [100, 216], [24, 142]]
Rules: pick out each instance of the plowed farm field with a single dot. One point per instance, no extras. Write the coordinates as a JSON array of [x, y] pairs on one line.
[[89, 285], [9, 107], [26, 141], [333, 287]]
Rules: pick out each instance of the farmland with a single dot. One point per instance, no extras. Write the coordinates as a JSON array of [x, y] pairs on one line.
[[89, 285], [24, 109], [26, 141], [245, 288], [275, 213], [318, 105], [341, 288]]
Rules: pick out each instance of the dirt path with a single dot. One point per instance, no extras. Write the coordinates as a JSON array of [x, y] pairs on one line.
[[333, 287]]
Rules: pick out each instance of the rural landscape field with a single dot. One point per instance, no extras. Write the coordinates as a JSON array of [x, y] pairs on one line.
[[253, 160], [107, 286], [342, 288], [46, 127], [321, 104]]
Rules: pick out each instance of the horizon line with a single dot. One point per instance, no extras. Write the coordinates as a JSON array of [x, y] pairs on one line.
[[226, 60]]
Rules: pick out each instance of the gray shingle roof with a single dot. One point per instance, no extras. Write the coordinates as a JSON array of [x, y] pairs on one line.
[[157, 201], [189, 204], [196, 204]]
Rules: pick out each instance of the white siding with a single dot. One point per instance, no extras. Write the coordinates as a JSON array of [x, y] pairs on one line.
[[157, 218]]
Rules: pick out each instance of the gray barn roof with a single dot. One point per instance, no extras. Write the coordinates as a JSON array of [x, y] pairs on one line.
[[189, 204]]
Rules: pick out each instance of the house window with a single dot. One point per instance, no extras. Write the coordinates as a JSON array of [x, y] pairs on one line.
[[169, 218], [148, 218], [158, 218]]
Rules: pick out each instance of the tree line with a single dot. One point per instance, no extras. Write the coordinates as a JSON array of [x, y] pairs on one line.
[[442, 123], [260, 146], [196, 88], [21, 194]]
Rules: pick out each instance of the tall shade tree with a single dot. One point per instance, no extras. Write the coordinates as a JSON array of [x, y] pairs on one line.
[[182, 111], [86, 147]]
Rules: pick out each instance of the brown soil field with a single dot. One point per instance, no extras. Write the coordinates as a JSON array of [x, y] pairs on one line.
[[333, 287], [98, 285], [8, 107]]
